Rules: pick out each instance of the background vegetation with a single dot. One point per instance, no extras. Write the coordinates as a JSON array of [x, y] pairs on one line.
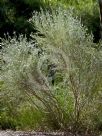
[[51, 79], [14, 14]]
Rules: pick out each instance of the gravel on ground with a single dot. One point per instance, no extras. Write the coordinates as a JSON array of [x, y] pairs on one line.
[[33, 133], [20, 133]]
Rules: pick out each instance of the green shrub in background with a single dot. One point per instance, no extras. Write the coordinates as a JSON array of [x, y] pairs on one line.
[[14, 14], [74, 102], [87, 11]]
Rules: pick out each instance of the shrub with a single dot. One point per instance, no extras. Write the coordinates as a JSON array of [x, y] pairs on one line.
[[72, 102], [90, 17]]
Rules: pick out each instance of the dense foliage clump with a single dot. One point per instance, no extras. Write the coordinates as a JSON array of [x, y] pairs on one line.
[[63, 49], [14, 14]]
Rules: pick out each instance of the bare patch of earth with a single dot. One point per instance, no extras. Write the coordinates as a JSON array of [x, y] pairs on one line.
[[23, 133], [20, 133]]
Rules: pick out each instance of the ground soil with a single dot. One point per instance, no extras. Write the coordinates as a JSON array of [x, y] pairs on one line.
[[23, 133]]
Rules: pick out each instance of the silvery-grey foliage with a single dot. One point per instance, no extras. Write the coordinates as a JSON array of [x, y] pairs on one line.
[[66, 45]]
